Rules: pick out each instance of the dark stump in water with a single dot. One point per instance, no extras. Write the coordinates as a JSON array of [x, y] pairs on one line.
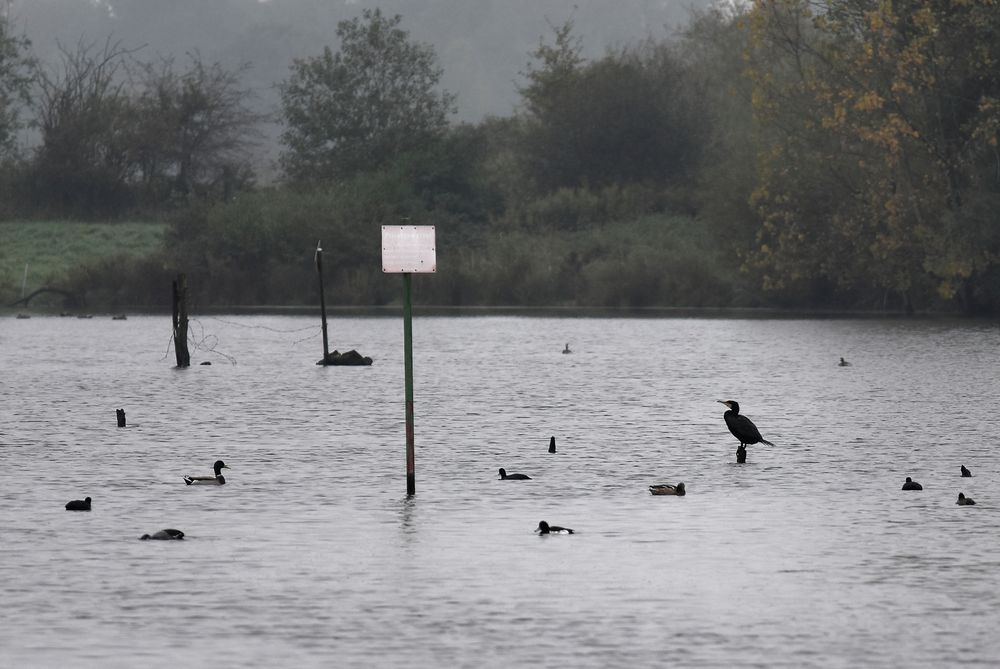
[[351, 357]]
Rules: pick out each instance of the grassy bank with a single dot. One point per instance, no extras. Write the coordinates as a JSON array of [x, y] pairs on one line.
[[51, 250]]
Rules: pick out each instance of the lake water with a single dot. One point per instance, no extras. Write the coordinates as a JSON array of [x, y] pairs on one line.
[[313, 556]]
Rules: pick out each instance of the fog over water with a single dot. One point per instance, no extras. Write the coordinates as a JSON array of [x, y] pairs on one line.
[[311, 555]]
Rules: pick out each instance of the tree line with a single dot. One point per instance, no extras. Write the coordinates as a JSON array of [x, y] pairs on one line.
[[800, 153]]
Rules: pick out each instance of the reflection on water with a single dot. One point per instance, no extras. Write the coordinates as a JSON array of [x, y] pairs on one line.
[[312, 555]]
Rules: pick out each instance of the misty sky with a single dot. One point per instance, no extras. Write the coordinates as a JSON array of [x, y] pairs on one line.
[[482, 45]]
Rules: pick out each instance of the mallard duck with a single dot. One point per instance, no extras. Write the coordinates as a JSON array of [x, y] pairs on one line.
[[667, 489], [78, 505], [504, 476], [965, 501], [910, 484], [165, 535], [218, 479], [545, 528], [965, 472]]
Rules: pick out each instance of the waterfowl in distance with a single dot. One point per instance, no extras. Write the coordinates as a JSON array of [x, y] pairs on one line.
[[78, 505], [164, 535], [843, 363], [965, 472], [566, 350], [504, 476], [667, 489], [545, 528], [218, 479], [910, 484], [965, 501]]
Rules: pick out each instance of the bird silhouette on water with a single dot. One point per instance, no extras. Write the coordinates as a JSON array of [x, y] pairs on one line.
[[164, 535], [910, 484], [742, 428], [78, 505], [552, 444], [513, 477], [545, 528], [965, 501], [965, 472], [843, 363]]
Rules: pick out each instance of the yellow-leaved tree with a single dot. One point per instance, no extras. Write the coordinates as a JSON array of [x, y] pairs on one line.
[[878, 164]]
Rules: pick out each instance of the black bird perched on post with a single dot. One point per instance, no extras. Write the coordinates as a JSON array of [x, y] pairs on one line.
[[742, 428]]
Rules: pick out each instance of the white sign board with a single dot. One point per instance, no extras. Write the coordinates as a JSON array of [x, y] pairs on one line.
[[408, 249]]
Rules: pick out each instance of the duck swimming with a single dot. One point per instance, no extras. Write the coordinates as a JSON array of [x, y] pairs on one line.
[[504, 476], [965, 472], [666, 489], [164, 535], [910, 484], [78, 505], [965, 501], [566, 350], [218, 479], [844, 363], [545, 528]]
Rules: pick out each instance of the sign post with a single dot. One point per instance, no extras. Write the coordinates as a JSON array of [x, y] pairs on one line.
[[408, 249]]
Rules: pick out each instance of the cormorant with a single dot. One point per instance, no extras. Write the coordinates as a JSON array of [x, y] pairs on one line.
[[844, 363], [545, 528], [965, 501], [965, 472], [516, 477], [910, 484], [742, 428], [566, 350], [218, 479]]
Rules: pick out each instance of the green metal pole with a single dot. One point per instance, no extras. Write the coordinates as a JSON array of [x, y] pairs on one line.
[[411, 484]]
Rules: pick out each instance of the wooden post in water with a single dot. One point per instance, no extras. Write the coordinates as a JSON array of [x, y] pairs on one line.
[[322, 300], [181, 322], [121, 417]]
